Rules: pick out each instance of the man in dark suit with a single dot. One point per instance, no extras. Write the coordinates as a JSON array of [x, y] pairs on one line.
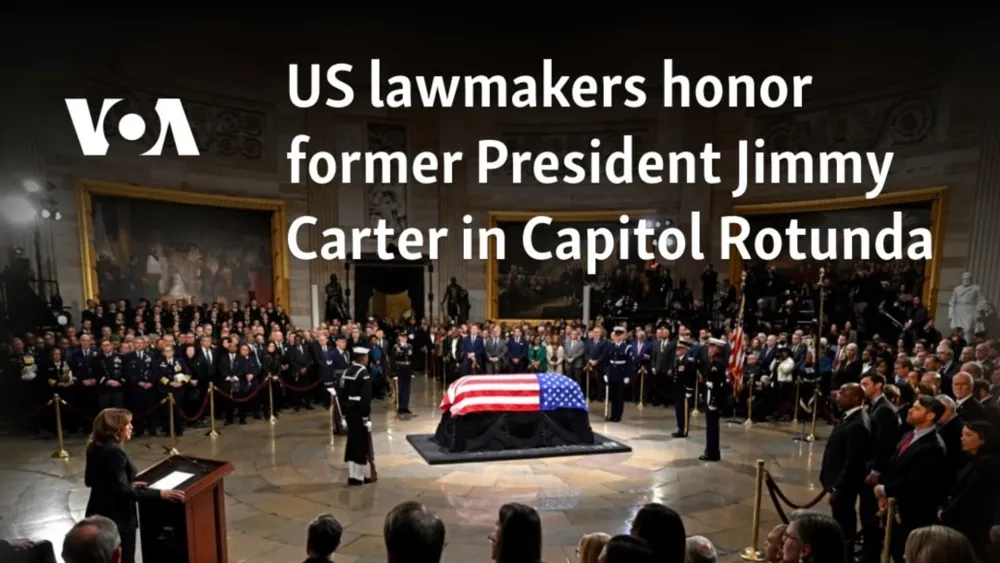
[[967, 407], [298, 359], [231, 376], [918, 476], [574, 360], [991, 410], [473, 352], [885, 436], [663, 361], [845, 458], [950, 430], [496, 352]]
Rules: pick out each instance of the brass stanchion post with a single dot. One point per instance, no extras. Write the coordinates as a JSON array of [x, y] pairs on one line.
[[270, 402], [812, 432], [752, 553], [642, 386], [173, 434], [795, 407], [588, 372], [212, 432], [749, 421], [890, 519], [395, 393], [60, 452], [695, 410]]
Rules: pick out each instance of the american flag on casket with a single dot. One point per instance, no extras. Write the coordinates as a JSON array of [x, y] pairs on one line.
[[519, 392]]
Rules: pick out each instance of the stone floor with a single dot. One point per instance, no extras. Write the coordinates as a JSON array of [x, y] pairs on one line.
[[289, 472]]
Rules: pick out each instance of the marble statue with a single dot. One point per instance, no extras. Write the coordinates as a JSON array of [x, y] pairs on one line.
[[968, 307]]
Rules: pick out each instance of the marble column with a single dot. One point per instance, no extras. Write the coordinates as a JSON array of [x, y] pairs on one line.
[[984, 255]]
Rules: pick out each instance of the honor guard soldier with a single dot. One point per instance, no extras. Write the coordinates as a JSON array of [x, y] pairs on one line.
[[356, 387], [341, 361], [621, 364], [402, 361], [110, 379], [173, 376], [684, 370], [715, 388], [143, 392]]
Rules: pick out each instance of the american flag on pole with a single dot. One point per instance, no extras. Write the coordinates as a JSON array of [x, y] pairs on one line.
[[737, 351], [526, 392]]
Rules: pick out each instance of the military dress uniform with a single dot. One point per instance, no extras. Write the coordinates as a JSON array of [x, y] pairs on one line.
[[167, 372], [684, 370], [143, 390], [402, 361], [715, 390], [108, 368], [621, 366], [356, 392]]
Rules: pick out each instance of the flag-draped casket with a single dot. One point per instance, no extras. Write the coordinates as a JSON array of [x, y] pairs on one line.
[[513, 411]]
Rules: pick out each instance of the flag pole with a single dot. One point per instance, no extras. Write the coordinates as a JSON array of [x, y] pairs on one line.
[[738, 331]]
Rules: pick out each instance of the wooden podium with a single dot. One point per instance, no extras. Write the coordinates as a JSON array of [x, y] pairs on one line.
[[193, 531]]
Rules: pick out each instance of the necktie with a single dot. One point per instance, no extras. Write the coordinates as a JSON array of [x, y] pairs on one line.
[[208, 354], [905, 444]]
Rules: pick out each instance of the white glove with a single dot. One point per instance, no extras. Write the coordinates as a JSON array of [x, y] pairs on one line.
[[605, 379], [710, 385], [343, 422], [368, 425], [626, 381]]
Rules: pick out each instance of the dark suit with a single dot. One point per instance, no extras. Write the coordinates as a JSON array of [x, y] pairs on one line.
[[110, 474], [972, 502], [473, 345], [496, 348], [885, 437], [971, 409], [845, 466], [919, 479], [951, 434], [664, 352]]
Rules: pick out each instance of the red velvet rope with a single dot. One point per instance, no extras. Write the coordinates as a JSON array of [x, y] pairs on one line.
[[777, 495]]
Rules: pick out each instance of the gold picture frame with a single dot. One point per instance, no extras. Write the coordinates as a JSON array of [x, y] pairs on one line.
[[86, 189], [937, 197], [493, 218]]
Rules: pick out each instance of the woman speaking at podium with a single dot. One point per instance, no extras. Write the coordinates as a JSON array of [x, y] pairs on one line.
[[110, 474]]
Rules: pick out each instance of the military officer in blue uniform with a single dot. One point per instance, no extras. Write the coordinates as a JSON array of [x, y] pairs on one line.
[[715, 395], [621, 368], [173, 376], [143, 388], [684, 371], [107, 367]]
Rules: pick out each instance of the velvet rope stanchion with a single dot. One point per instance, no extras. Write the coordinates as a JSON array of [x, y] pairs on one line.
[[588, 372], [173, 434], [753, 553], [60, 452], [890, 519], [212, 431], [748, 423], [395, 393], [270, 401], [642, 387], [778, 497]]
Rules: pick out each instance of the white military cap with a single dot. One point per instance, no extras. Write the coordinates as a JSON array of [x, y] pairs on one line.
[[360, 350], [619, 329], [717, 342]]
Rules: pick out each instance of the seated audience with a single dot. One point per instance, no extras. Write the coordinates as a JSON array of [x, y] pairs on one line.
[[772, 544], [663, 530], [413, 533], [938, 544], [630, 549], [590, 547], [700, 550], [812, 537], [93, 540], [517, 535], [323, 538]]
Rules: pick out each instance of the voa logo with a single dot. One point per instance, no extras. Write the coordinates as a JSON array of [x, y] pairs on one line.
[[131, 126]]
